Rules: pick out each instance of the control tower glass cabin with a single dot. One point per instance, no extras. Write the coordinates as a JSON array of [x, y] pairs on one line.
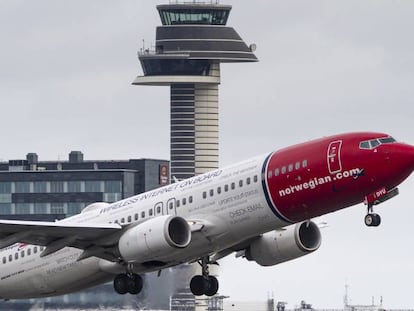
[[190, 45]]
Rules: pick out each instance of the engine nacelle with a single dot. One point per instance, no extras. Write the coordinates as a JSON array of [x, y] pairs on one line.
[[154, 239], [279, 246]]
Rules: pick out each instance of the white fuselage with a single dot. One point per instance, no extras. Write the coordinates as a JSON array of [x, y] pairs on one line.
[[231, 199]]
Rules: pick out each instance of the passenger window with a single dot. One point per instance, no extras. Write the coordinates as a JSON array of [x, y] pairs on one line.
[[22, 254], [248, 180], [290, 168], [129, 219], [4, 260], [255, 178], [136, 217], [270, 174], [305, 163], [29, 252], [226, 188], [204, 195], [150, 212], [158, 209], [284, 170], [171, 206], [277, 172], [184, 201], [218, 190], [35, 250], [10, 258], [178, 203], [190, 199], [142, 214], [16, 256], [233, 186], [211, 192], [122, 220], [297, 165], [240, 183], [116, 221]]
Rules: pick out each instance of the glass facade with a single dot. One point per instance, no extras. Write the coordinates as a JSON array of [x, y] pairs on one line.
[[194, 16]]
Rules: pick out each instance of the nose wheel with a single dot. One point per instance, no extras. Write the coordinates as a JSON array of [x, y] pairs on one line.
[[204, 284], [372, 219]]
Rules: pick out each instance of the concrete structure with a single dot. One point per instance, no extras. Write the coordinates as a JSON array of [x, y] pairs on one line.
[[190, 46]]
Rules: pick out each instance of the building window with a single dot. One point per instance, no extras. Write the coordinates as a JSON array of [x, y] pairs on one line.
[[74, 186], [57, 208], [112, 186], [74, 208], [5, 187], [93, 186], [22, 208], [56, 186], [22, 187], [5, 208], [40, 208], [40, 186]]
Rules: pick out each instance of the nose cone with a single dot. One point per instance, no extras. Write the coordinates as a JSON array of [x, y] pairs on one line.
[[403, 157]]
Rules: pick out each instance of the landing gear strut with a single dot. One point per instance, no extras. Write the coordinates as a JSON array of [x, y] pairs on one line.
[[128, 283], [204, 284], [372, 219]]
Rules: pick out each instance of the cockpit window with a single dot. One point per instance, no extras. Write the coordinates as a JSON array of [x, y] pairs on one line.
[[387, 140], [373, 143]]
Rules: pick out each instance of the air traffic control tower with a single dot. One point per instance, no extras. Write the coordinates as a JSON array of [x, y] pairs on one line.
[[190, 45]]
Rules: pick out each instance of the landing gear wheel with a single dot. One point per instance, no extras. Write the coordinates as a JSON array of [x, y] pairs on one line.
[[134, 284], [121, 284], [124, 283], [198, 285], [212, 286], [372, 220]]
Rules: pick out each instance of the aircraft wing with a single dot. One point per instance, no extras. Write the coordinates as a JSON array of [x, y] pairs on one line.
[[92, 238]]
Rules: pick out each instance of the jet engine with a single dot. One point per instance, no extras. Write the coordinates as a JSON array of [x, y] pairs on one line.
[[154, 239], [286, 244]]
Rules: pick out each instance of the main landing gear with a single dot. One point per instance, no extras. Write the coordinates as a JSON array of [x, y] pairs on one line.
[[128, 283], [204, 284], [372, 219]]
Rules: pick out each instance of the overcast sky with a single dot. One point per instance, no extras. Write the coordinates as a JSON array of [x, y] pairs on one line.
[[325, 67]]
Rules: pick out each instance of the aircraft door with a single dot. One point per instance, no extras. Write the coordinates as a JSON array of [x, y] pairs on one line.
[[171, 206], [159, 209], [334, 157]]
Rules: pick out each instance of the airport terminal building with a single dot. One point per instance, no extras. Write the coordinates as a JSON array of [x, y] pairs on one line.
[[48, 190]]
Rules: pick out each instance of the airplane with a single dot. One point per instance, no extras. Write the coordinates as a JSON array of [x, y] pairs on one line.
[[261, 209]]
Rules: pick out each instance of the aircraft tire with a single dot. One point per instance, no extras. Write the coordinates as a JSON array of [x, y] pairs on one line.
[[377, 220], [121, 284], [135, 284], [369, 220], [198, 285], [212, 286]]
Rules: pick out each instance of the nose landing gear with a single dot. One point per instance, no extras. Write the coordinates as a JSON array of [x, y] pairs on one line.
[[204, 284], [372, 220]]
